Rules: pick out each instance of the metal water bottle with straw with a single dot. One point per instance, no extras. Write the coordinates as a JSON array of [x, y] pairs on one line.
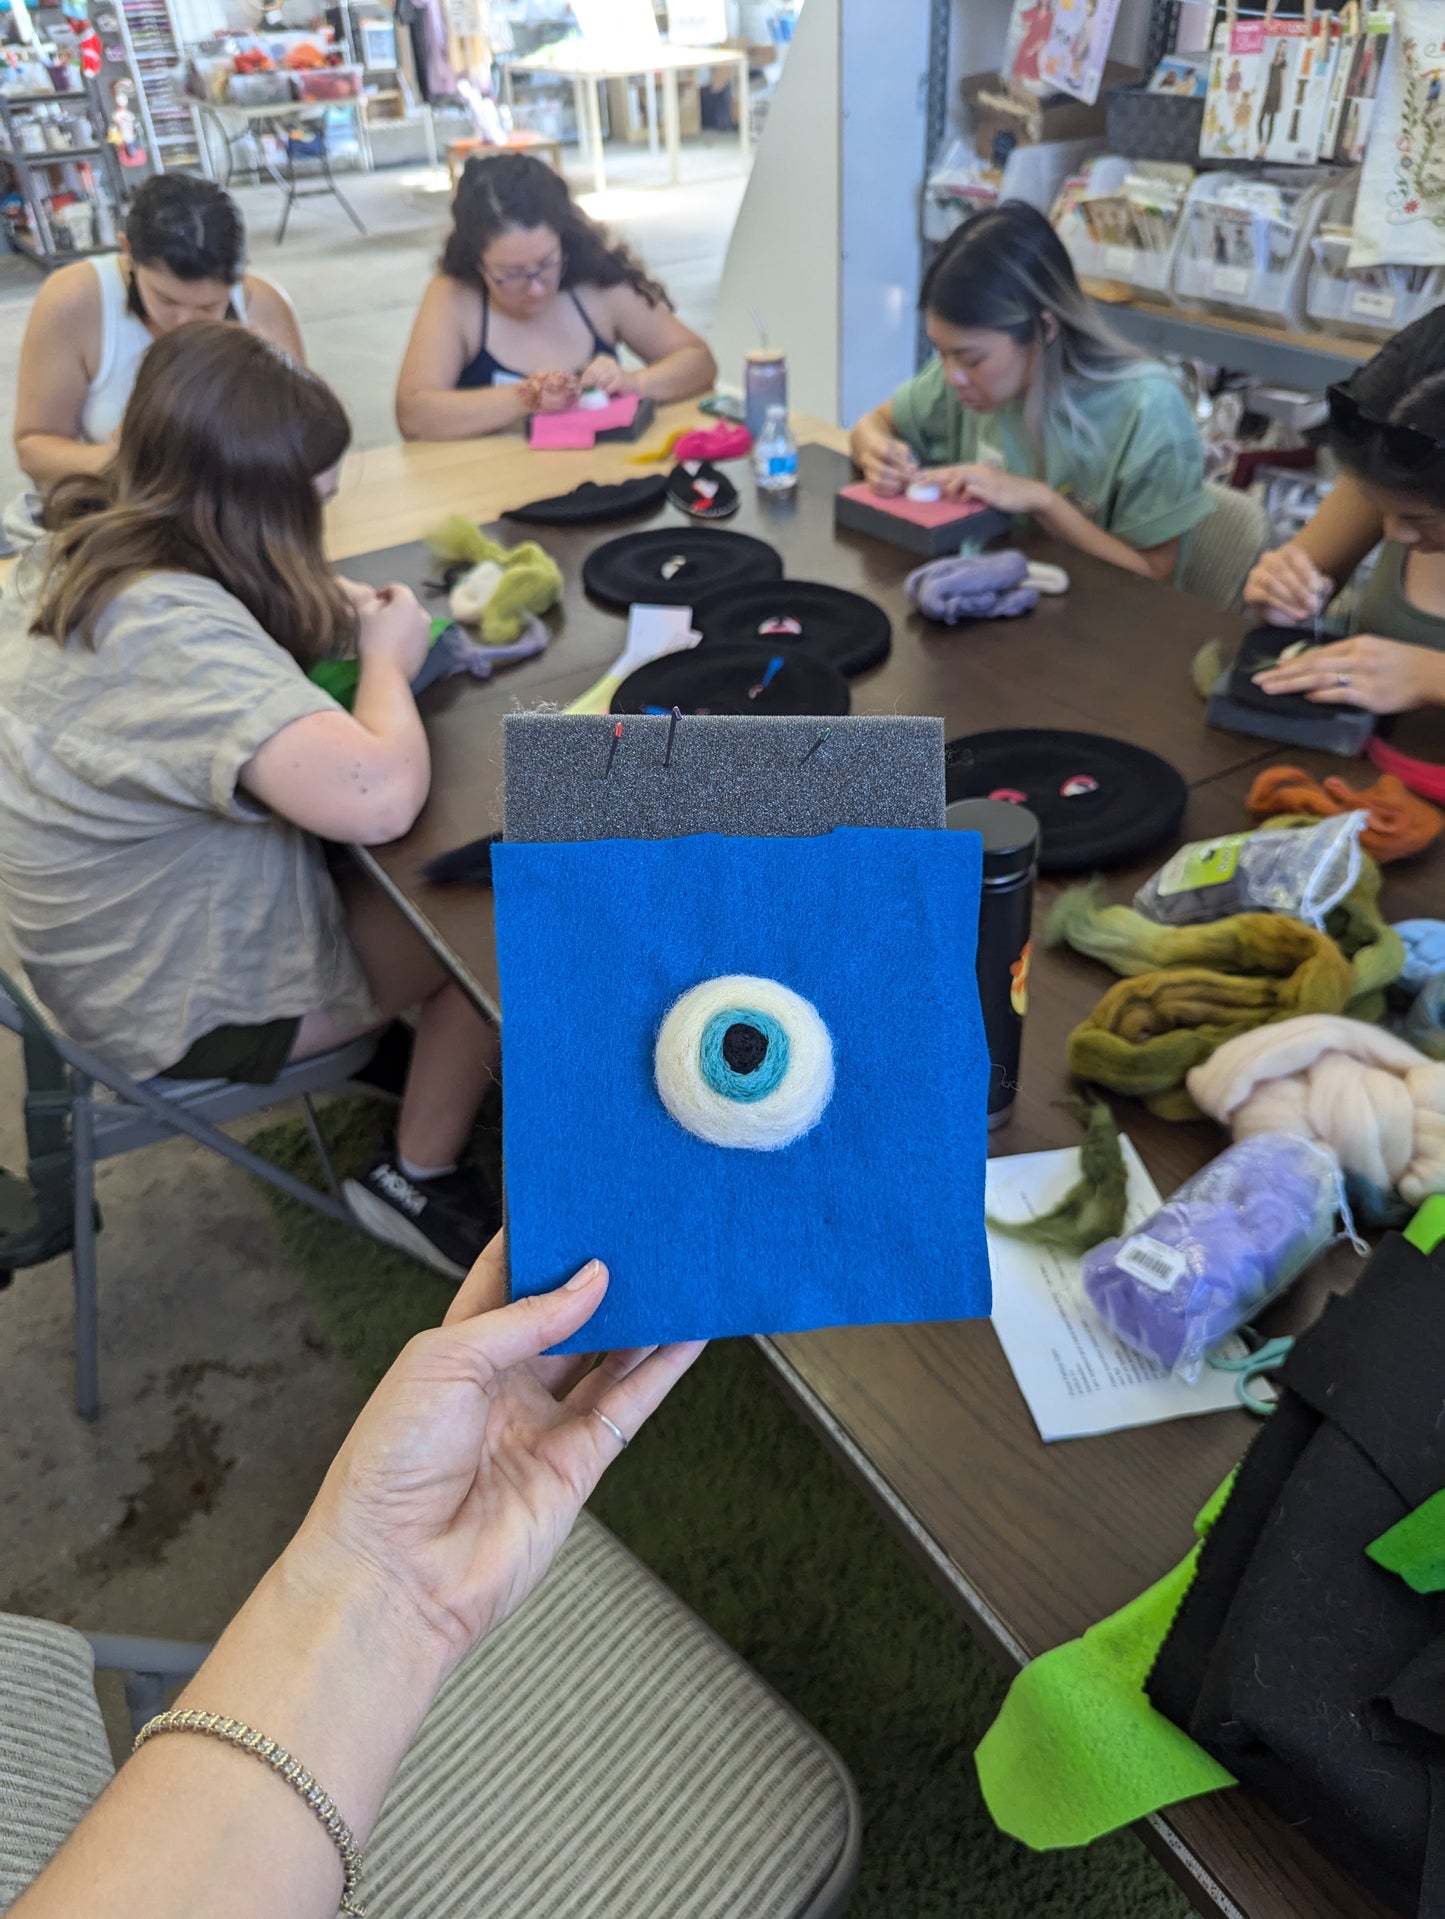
[[1005, 914], [765, 381]]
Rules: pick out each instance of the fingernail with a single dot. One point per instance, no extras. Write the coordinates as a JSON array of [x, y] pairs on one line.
[[587, 1276]]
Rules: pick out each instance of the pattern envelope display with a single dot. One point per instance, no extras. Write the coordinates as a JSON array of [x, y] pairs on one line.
[[872, 1210]]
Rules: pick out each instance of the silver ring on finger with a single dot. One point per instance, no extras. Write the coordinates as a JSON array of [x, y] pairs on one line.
[[1342, 678], [611, 1425]]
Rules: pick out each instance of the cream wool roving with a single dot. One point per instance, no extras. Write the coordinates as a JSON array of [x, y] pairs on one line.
[[1377, 1103], [744, 1062]]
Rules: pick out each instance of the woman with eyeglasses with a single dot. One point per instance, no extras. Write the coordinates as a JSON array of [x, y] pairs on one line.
[[183, 257], [1386, 427], [531, 305]]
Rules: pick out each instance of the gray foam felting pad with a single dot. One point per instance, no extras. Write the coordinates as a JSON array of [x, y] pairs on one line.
[[747, 778]]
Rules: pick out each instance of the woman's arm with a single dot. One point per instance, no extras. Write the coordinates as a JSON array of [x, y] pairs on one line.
[[1294, 582], [679, 362], [55, 377], [1011, 493], [429, 405], [886, 462], [360, 777], [270, 313], [447, 1503]]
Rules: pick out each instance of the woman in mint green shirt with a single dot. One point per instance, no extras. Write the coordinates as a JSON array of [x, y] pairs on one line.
[[1035, 407]]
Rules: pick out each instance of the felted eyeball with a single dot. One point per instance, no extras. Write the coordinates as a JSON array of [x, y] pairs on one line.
[[744, 1062]]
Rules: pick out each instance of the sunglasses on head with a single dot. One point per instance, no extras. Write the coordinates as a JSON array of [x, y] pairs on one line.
[[1407, 446]]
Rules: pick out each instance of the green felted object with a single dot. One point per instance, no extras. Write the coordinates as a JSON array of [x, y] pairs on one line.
[[1210, 665], [531, 579], [1414, 1547], [1093, 1209], [1185, 990], [340, 678], [1077, 1750]]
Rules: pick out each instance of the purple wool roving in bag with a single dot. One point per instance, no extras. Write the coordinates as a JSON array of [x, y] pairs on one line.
[[1217, 1250], [972, 586]]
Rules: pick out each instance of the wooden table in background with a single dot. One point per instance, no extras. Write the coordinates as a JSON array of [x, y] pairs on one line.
[[1033, 1542]]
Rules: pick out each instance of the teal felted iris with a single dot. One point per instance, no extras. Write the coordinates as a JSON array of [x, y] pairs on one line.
[[744, 1053]]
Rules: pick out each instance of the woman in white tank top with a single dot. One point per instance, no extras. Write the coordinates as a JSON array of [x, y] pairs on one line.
[[183, 258]]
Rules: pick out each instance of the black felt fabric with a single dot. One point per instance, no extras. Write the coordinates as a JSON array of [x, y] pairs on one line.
[[592, 505], [1137, 802], [1314, 1675], [842, 628], [1261, 647], [642, 567], [745, 682], [702, 491]]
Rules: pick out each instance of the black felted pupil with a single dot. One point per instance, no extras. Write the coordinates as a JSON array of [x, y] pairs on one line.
[[744, 1048]]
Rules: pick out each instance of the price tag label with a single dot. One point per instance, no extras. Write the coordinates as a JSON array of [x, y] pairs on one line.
[[1151, 1262], [1119, 260], [1231, 280], [1372, 303]]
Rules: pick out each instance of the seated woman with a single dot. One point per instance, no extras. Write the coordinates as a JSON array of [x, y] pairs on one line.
[[531, 305], [169, 774], [1034, 406], [182, 257], [1386, 427]]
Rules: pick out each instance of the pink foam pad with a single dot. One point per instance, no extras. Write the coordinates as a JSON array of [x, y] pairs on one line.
[[578, 426], [919, 512]]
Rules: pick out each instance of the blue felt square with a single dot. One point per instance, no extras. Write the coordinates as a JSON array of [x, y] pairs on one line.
[[874, 1215]]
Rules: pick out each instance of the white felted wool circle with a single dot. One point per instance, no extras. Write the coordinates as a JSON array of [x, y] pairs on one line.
[[794, 1106], [469, 597]]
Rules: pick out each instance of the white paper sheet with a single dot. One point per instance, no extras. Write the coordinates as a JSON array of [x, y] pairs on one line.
[[1076, 1377]]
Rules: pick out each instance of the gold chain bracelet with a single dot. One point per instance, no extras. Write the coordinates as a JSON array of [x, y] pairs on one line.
[[217, 1726]]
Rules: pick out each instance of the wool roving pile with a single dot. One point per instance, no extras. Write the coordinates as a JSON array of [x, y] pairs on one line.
[[1186, 990], [972, 586], [505, 585], [1400, 823], [1377, 1103]]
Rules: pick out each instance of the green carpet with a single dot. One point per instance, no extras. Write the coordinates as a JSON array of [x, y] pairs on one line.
[[731, 1500]]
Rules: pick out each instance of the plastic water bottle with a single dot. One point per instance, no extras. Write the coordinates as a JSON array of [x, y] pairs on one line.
[[775, 456]]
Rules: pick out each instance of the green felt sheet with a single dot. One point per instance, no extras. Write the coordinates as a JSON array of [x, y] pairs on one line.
[[1414, 1547], [1077, 1750]]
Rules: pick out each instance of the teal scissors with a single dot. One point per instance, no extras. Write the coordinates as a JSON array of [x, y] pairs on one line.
[[1260, 1358]]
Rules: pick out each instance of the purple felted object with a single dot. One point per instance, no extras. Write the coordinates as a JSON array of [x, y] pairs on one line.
[[455, 651], [1230, 1238], [972, 586]]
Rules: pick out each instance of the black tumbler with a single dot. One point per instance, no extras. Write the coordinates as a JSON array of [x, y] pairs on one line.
[[1005, 913]]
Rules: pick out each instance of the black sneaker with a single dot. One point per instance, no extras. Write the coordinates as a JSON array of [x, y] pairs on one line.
[[444, 1222]]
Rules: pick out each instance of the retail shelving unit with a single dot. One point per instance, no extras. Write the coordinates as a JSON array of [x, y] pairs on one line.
[[84, 169]]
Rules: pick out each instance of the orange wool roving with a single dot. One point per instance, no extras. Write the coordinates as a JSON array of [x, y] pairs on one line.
[[1400, 822]]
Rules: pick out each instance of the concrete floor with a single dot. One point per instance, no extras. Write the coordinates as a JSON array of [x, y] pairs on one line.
[[222, 1401]]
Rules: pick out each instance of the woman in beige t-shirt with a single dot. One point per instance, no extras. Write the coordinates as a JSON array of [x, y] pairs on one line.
[[168, 772]]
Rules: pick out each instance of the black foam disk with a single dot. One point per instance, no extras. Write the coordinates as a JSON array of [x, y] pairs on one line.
[[592, 505], [675, 566], [741, 681], [1100, 802], [842, 628]]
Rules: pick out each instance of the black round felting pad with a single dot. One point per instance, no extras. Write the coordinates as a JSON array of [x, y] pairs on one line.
[[1100, 802], [675, 566], [590, 504], [735, 680], [842, 628]]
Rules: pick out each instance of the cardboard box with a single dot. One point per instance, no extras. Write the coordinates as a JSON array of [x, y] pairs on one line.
[[993, 108]]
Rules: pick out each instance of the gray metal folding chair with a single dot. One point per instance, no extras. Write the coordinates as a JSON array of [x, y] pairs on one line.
[[635, 1766], [80, 1110]]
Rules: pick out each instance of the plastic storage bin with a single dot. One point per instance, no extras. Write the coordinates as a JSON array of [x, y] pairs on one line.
[[1118, 261], [328, 83], [259, 89], [1236, 257], [1364, 303]]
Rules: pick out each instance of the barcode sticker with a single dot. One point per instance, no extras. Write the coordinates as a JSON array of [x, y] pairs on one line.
[[1372, 303], [1119, 260], [1233, 280], [1151, 1262]]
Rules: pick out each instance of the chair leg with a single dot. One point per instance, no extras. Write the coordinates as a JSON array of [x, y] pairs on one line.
[[87, 1331], [318, 1140]]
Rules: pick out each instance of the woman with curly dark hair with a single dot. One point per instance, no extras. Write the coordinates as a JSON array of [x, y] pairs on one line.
[[532, 302]]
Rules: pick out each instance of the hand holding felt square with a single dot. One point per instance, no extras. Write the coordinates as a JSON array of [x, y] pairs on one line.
[[867, 1207]]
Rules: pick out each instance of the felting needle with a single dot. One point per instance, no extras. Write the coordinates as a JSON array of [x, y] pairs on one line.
[[612, 752], [676, 716], [775, 666], [814, 747]]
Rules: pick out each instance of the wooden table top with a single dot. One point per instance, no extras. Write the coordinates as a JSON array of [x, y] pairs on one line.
[[1034, 1542]]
